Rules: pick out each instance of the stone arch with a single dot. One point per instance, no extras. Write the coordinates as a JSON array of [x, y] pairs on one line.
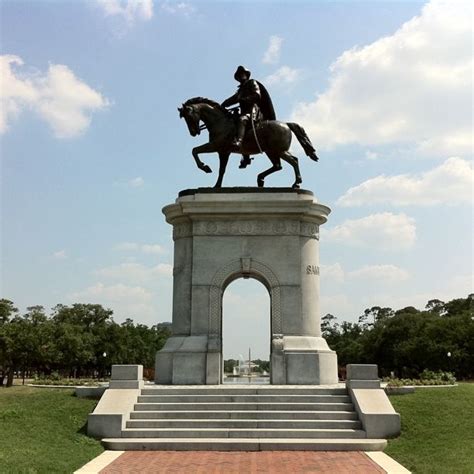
[[244, 267]]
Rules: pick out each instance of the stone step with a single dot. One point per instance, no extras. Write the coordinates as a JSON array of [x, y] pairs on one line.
[[246, 444], [241, 433], [243, 406], [248, 424], [239, 390], [244, 398], [245, 414]]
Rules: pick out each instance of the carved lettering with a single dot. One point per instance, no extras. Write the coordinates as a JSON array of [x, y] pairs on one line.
[[312, 270]]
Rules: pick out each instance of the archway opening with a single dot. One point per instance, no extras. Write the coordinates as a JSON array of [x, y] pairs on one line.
[[246, 328]]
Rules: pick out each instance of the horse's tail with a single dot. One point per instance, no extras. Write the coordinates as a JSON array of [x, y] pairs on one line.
[[304, 140]]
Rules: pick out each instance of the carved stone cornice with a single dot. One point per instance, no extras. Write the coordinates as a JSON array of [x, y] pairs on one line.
[[227, 227]]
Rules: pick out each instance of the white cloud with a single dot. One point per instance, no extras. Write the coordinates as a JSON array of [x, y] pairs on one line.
[[65, 102], [115, 293], [336, 304], [129, 10], [458, 286], [135, 272], [371, 155], [411, 88], [145, 248], [283, 75], [390, 273], [178, 8], [136, 182], [381, 273], [152, 248], [127, 246], [133, 183], [132, 301], [60, 255], [332, 272], [272, 54], [14, 91], [450, 183], [384, 231]]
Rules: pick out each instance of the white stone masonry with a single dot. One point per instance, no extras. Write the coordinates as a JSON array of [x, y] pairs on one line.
[[271, 235]]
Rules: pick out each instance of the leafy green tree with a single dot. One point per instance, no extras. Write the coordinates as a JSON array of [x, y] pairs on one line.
[[263, 365], [7, 311], [436, 306], [229, 365], [329, 326]]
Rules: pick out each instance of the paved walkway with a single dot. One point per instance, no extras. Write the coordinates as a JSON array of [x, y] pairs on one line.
[[242, 462], [275, 462]]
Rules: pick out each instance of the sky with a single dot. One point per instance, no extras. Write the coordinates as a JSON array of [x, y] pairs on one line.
[[92, 147]]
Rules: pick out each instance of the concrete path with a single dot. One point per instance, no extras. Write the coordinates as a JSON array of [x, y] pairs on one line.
[[274, 462]]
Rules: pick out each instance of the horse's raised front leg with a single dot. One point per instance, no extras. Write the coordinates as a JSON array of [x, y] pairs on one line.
[[293, 161], [276, 167], [223, 159], [206, 148]]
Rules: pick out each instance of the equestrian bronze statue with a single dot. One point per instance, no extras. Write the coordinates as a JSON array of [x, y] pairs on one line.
[[251, 131]]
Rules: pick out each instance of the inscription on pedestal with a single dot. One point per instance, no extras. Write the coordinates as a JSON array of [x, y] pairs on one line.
[[246, 227], [312, 270]]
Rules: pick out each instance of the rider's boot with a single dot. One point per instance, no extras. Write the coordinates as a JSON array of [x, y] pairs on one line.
[[245, 161], [240, 135]]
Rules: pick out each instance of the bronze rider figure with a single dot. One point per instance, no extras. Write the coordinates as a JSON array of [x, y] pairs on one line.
[[255, 103]]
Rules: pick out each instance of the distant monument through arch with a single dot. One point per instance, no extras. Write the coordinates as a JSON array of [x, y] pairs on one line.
[[246, 329]]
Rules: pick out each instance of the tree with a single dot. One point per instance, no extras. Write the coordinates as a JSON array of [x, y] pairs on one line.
[[7, 311], [329, 326], [82, 337], [229, 365], [436, 306]]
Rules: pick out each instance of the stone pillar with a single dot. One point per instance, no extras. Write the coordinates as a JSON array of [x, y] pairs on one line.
[[268, 234]]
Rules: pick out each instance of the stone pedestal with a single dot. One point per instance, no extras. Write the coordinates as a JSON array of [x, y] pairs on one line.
[[268, 234]]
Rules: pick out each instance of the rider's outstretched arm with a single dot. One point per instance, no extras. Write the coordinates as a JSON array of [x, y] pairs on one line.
[[231, 100]]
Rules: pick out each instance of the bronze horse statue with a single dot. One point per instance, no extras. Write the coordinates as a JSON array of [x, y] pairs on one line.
[[271, 137]]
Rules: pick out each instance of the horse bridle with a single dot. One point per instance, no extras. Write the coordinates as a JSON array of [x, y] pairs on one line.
[[204, 126]]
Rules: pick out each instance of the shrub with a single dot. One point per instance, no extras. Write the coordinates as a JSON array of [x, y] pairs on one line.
[[53, 380], [427, 377]]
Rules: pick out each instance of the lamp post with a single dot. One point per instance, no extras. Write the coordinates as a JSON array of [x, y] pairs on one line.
[[104, 355]]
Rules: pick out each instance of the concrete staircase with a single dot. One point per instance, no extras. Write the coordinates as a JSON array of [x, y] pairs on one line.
[[250, 418]]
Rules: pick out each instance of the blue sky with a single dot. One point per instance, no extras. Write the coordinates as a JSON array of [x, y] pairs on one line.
[[92, 146]]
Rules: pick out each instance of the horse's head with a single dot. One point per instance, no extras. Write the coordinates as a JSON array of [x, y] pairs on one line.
[[191, 114]]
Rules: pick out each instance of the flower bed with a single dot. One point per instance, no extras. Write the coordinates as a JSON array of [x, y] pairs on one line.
[[427, 377]]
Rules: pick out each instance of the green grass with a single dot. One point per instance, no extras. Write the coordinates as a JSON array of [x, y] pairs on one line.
[[42, 430], [437, 430]]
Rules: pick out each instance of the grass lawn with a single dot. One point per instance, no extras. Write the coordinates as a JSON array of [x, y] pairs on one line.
[[42, 430], [437, 430]]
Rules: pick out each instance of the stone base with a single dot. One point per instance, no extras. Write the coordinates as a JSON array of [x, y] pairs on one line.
[[295, 360], [182, 361], [111, 413], [378, 417], [303, 360], [270, 235]]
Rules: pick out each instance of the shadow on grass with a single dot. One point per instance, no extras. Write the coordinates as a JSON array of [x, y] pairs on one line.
[[83, 429]]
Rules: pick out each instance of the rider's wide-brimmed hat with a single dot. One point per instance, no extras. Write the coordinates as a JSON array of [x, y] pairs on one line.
[[241, 70]]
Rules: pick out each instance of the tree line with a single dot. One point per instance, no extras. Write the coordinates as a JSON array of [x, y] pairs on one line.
[[81, 340], [407, 341]]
